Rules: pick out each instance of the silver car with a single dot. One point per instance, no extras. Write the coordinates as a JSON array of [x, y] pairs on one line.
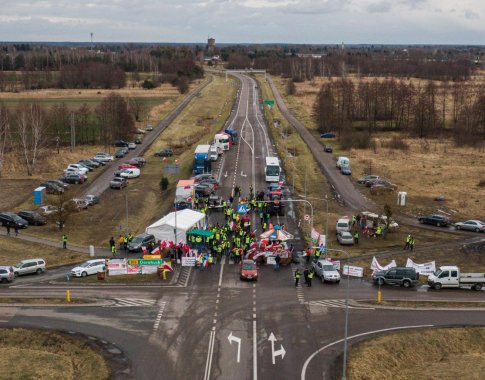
[[6, 274], [345, 238], [471, 225]]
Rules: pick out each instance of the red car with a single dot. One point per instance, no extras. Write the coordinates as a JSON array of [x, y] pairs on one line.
[[248, 270], [126, 166]]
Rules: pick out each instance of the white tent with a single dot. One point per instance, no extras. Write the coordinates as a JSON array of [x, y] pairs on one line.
[[179, 222]]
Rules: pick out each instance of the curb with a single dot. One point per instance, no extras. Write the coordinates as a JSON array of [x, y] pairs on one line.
[[49, 305], [377, 306]]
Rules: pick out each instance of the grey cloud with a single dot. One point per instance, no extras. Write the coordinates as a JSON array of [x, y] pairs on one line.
[[381, 7], [470, 15]]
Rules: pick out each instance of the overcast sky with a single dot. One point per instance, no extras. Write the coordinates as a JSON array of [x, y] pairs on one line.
[[257, 21]]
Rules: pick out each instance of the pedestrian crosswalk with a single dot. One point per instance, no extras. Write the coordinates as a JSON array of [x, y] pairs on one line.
[[132, 302], [338, 304]]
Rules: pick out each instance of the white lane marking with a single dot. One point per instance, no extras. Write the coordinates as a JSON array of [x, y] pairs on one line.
[[305, 366], [159, 316], [255, 351], [338, 304], [223, 261], [208, 362], [131, 302]]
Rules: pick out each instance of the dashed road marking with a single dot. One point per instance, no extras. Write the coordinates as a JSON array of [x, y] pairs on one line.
[[159, 316]]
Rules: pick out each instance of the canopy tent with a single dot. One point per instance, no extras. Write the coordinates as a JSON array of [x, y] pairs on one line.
[[276, 233], [176, 224]]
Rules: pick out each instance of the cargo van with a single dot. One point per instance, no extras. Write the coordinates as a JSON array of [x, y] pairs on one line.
[[342, 161], [213, 153]]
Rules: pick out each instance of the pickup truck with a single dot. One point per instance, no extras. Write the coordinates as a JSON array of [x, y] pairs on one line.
[[451, 277]]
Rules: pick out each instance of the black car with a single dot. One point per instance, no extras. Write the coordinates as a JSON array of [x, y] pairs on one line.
[[405, 277], [73, 178], [101, 163], [139, 241], [34, 218], [434, 219], [137, 141], [91, 162], [328, 135], [87, 165], [59, 183], [120, 143], [12, 220], [164, 152], [328, 149], [52, 188], [119, 153]]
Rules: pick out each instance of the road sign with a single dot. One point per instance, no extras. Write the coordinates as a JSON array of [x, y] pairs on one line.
[[269, 102], [242, 208], [307, 217], [281, 352], [188, 261], [231, 338], [145, 262]]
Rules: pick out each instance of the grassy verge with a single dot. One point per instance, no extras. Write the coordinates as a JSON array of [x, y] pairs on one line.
[[143, 199], [448, 353], [13, 250], [426, 304], [42, 301], [34, 354]]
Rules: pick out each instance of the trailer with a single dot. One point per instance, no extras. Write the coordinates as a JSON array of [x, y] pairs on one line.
[[202, 162]]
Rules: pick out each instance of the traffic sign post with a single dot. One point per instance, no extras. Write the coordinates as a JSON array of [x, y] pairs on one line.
[[242, 208], [269, 102]]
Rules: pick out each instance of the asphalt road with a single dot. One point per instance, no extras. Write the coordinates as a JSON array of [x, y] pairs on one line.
[[214, 326]]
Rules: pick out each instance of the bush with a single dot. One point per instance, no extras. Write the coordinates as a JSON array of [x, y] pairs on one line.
[[352, 139], [148, 84], [164, 183], [396, 143]]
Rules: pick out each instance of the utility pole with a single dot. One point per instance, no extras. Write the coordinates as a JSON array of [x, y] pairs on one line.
[[73, 132]]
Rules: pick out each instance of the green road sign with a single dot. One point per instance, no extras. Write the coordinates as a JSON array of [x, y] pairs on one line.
[[145, 262], [269, 102]]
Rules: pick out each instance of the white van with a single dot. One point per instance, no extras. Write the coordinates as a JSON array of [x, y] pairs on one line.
[[29, 266], [343, 225], [342, 161], [213, 153], [130, 173]]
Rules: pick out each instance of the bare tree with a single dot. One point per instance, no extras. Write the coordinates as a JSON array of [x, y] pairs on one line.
[[30, 126], [4, 133], [138, 108]]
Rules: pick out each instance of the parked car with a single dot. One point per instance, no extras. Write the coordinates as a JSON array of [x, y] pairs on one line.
[[80, 168], [343, 224], [59, 183], [210, 181], [405, 277], [29, 266], [345, 238], [52, 188], [204, 177], [345, 170], [69, 171], [89, 267], [103, 157], [88, 161], [434, 219], [120, 143], [326, 271], [327, 135], [89, 167], [378, 181], [118, 183], [137, 161], [327, 148], [130, 173], [131, 145], [32, 217], [126, 166], [76, 204], [164, 152], [137, 141], [142, 240], [366, 178], [139, 131], [248, 270], [471, 225], [12, 220], [100, 162], [6, 274], [73, 178], [203, 189], [149, 128], [342, 161], [119, 153], [91, 200], [48, 210]]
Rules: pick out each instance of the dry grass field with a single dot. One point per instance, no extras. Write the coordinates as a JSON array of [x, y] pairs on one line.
[[48, 355], [429, 168], [197, 124], [446, 353]]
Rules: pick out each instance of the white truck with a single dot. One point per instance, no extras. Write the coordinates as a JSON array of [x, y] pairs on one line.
[[221, 141], [451, 277]]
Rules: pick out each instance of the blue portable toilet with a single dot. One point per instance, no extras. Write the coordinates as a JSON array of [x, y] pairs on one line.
[[39, 195]]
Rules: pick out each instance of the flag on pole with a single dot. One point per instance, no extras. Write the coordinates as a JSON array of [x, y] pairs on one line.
[[144, 249], [156, 251], [167, 266]]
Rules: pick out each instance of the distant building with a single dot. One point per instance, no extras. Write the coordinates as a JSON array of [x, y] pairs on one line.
[[211, 46]]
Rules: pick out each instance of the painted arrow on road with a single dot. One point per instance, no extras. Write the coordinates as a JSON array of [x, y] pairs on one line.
[[281, 352], [231, 338], [225, 175], [242, 174]]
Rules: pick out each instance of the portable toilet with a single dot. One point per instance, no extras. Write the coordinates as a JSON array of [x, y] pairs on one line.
[[401, 198], [39, 195]]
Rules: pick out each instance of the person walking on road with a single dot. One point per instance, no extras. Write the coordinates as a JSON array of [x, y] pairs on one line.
[[305, 275], [309, 279], [277, 261], [64, 241], [356, 237], [297, 277]]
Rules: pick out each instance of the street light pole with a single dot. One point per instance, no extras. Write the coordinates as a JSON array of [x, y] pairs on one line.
[[344, 369]]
